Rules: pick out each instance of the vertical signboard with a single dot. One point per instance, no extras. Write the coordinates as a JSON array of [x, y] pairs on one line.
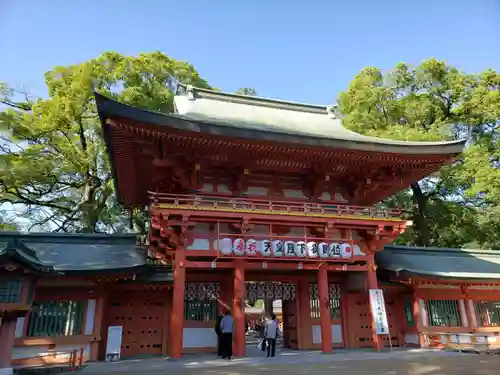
[[114, 343], [379, 314]]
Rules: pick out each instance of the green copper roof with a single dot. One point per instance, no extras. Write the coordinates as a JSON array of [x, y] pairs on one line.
[[441, 262], [70, 253], [260, 119]]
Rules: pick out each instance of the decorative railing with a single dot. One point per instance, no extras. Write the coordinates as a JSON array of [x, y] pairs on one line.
[[264, 206]]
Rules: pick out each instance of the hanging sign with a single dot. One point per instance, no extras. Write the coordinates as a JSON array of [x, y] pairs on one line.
[[379, 314], [292, 249]]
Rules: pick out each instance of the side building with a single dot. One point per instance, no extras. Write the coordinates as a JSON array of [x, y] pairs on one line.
[[60, 293]]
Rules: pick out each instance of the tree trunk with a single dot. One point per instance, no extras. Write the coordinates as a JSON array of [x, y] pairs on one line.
[[420, 225]]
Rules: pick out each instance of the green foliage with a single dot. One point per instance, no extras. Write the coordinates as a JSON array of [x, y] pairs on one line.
[[247, 91], [52, 157], [434, 101]]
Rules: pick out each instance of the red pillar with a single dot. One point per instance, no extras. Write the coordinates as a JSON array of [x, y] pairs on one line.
[[177, 320], [239, 310], [7, 334], [324, 314], [372, 282]]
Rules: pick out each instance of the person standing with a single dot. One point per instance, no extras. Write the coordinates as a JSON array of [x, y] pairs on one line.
[[271, 335], [219, 334], [227, 331]]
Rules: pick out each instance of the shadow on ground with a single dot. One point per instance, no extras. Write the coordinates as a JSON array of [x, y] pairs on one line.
[[456, 364]]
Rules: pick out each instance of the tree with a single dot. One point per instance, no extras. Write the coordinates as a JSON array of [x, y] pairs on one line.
[[53, 166], [247, 91], [435, 101]]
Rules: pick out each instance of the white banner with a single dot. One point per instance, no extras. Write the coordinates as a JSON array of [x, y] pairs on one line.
[[379, 314], [277, 248]]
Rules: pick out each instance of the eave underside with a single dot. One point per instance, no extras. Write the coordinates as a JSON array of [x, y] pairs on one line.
[[143, 155]]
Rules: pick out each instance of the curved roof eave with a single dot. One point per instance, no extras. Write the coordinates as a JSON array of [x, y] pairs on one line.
[[268, 123]]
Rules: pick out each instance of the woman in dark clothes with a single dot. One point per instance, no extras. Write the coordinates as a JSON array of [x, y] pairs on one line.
[[219, 334]]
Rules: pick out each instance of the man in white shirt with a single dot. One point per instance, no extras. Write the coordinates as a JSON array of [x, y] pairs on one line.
[[271, 334]]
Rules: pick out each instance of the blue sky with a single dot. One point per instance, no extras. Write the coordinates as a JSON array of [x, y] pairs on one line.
[[294, 50]]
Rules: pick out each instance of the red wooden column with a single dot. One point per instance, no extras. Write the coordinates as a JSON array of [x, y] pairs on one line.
[[177, 320], [372, 282], [239, 309], [324, 313], [7, 334], [417, 319]]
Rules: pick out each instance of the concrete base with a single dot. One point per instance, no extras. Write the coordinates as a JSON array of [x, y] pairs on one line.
[[6, 371]]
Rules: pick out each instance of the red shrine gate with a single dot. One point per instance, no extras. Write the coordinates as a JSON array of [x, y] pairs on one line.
[[281, 193]]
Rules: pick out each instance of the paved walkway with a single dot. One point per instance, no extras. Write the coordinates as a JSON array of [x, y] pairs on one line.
[[398, 362]]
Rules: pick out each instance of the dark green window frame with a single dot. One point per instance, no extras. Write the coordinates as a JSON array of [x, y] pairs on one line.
[[410, 322], [335, 310], [56, 318], [443, 313], [487, 313], [200, 310]]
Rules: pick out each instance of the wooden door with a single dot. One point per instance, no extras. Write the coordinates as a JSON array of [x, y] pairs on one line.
[[142, 317], [290, 325], [360, 320]]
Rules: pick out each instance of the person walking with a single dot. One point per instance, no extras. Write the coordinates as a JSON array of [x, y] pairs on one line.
[[227, 331], [271, 335]]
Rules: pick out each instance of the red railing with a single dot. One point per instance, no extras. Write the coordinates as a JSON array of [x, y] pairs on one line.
[[235, 204]]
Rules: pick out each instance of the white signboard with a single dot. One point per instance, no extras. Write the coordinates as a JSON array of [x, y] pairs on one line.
[[378, 312], [277, 248], [114, 343]]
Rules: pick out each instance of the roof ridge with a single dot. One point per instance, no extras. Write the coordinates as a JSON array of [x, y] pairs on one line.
[[196, 92]]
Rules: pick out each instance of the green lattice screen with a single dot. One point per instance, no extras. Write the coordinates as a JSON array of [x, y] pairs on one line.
[[409, 312], [334, 308], [200, 310], [56, 318], [488, 313], [443, 313]]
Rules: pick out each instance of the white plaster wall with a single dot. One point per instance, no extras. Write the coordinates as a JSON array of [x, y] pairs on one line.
[[326, 196], [423, 313], [223, 188], [257, 190], [411, 338], [289, 193], [208, 188], [19, 352], [20, 326], [201, 244], [199, 338], [89, 317], [336, 334]]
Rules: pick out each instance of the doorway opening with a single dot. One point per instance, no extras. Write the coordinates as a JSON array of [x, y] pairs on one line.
[[264, 299]]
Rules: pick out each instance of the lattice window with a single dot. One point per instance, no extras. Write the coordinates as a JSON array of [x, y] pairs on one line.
[[334, 300], [409, 312], [200, 301], [443, 313], [10, 290], [270, 290], [200, 310], [56, 318], [487, 313]]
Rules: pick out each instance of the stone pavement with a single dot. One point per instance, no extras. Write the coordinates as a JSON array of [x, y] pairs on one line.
[[398, 362]]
